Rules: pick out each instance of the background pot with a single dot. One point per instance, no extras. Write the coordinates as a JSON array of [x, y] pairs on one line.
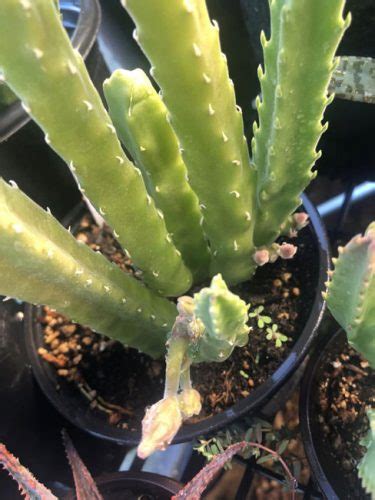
[[114, 486], [71, 404], [327, 473]]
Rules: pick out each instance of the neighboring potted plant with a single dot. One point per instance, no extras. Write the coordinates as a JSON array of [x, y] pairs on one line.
[[133, 485], [338, 392], [195, 209], [130, 485]]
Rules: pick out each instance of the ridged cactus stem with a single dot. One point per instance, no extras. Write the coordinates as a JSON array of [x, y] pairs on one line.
[[43, 69], [140, 118], [184, 48], [41, 262], [351, 292], [299, 62]]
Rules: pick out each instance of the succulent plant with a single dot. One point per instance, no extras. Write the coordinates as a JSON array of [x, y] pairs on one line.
[[351, 292], [209, 326], [196, 487], [351, 299], [366, 466], [194, 205], [28, 485], [86, 489], [32, 489]]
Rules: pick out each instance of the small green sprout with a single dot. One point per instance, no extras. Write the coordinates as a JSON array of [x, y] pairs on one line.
[[262, 320], [274, 334]]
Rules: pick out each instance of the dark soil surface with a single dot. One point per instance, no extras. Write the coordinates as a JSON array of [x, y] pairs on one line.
[[346, 388], [122, 382]]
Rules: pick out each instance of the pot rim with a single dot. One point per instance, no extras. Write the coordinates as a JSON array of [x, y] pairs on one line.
[[133, 478], [14, 117], [257, 398], [305, 409]]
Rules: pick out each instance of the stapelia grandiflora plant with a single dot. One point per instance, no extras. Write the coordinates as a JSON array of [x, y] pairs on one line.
[[351, 300], [194, 205]]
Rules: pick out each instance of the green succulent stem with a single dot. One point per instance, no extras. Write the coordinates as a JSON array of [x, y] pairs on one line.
[[140, 118], [366, 466], [185, 379], [298, 65], [351, 292], [42, 68], [184, 49], [41, 262]]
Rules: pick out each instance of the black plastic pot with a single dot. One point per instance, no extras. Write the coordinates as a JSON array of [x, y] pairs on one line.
[[84, 31], [327, 473], [120, 486], [72, 405]]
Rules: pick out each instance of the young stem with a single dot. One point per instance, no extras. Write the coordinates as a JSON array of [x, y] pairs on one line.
[[185, 380], [175, 357]]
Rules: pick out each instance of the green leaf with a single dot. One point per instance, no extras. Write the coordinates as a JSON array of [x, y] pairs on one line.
[[264, 458]]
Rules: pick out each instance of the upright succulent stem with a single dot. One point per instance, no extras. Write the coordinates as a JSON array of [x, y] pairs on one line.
[[41, 66], [140, 118], [299, 61], [184, 49], [351, 292], [41, 262]]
